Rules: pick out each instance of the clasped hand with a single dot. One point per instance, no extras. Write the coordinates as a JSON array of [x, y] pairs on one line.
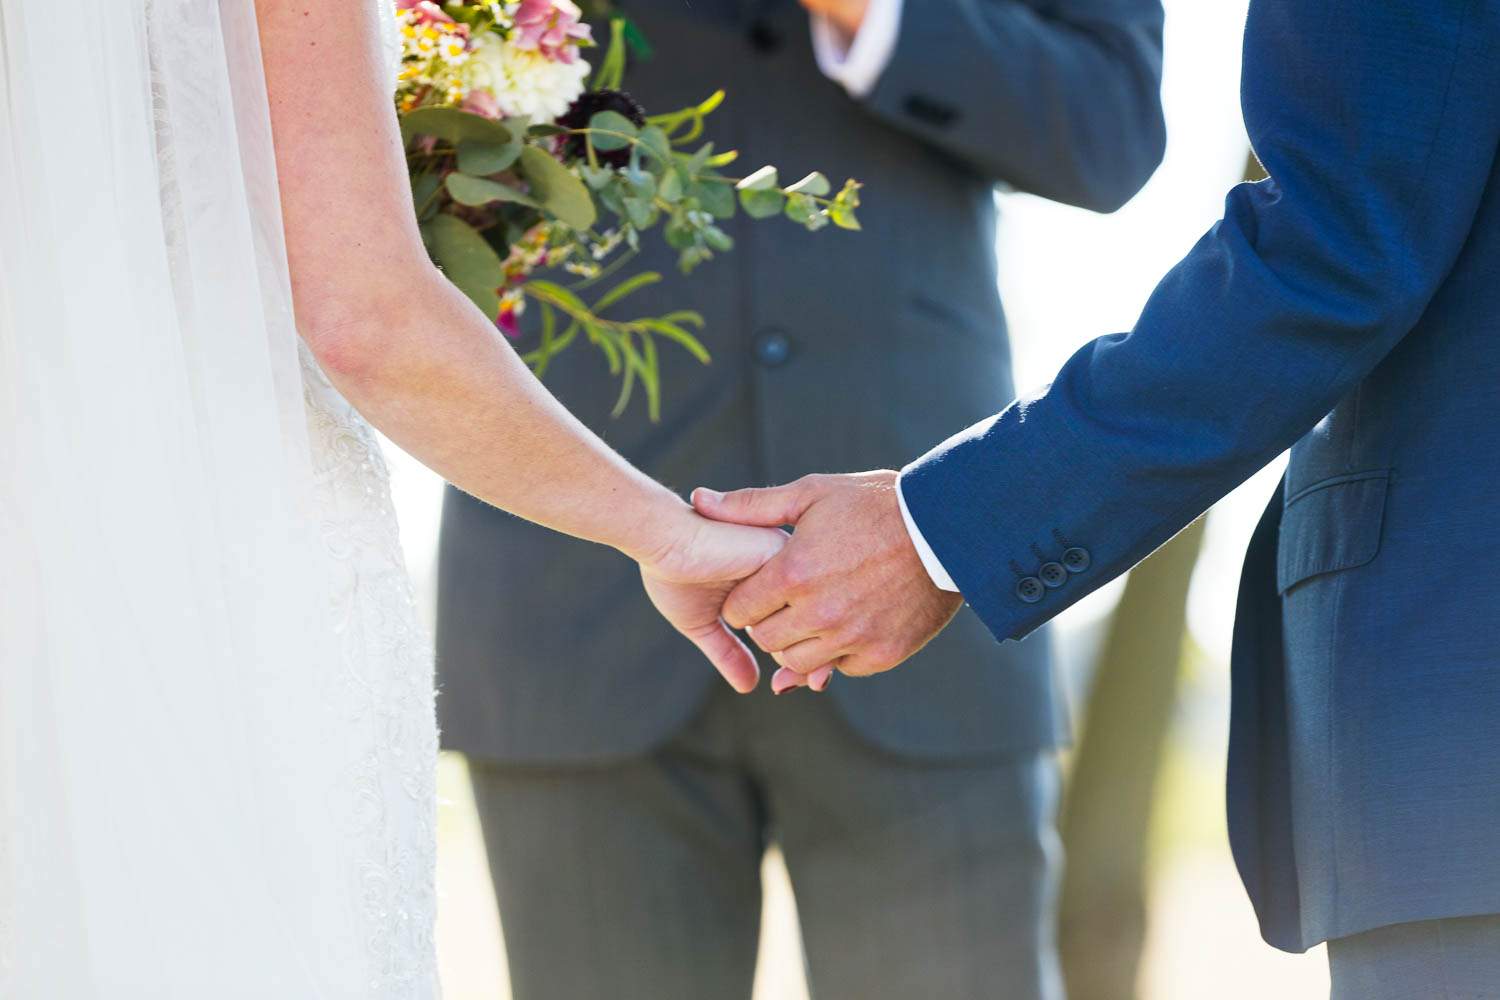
[[848, 593]]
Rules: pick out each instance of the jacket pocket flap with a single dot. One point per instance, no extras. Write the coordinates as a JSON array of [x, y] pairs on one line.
[[1329, 526]]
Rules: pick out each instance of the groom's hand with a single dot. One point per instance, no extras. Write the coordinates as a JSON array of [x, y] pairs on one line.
[[848, 591]]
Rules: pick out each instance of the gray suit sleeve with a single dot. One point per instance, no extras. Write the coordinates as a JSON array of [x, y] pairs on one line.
[[1058, 99]]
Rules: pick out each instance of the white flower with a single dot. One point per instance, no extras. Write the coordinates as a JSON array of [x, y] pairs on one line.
[[455, 49], [526, 84]]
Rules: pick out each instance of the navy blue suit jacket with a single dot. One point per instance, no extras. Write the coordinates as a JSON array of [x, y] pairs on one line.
[[1348, 307]]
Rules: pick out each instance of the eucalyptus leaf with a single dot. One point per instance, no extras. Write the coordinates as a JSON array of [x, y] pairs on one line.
[[596, 177], [611, 122], [699, 160], [655, 142], [423, 187], [480, 157], [641, 213], [467, 260], [638, 183], [800, 208], [612, 198], [478, 191], [718, 239], [557, 188], [717, 199], [813, 184], [763, 179], [670, 188], [453, 125], [680, 234], [762, 203]]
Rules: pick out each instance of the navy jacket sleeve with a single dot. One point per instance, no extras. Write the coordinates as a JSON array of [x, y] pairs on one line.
[[1060, 99], [1378, 123]]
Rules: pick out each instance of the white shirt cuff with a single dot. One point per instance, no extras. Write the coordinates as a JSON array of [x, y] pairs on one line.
[[858, 65], [940, 578]]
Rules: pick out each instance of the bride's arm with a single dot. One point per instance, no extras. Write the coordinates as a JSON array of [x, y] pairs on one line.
[[420, 361]]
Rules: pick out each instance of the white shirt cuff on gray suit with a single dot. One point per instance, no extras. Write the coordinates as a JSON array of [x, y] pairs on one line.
[[858, 65], [940, 577]]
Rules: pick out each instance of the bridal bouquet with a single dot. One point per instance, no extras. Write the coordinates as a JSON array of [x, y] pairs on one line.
[[524, 165]]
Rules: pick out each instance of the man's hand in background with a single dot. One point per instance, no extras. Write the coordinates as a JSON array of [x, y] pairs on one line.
[[848, 592], [845, 15]]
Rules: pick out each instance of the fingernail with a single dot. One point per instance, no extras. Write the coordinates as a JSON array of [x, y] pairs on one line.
[[781, 682], [822, 679], [704, 493]]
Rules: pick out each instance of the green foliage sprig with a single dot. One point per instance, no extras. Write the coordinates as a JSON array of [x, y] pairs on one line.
[[497, 200]]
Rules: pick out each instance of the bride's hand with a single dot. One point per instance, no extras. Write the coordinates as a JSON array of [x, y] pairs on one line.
[[691, 574]]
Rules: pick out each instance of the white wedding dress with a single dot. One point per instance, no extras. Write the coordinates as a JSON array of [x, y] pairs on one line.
[[217, 740]]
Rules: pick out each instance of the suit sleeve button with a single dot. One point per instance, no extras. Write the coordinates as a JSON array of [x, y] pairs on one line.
[[1030, 589], [1076, 560], [1053, 575]]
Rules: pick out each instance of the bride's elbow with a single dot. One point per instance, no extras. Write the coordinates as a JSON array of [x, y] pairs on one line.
[[350, 350], [357, 336]]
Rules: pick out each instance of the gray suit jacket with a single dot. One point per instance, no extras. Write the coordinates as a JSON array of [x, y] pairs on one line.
[[831, 352]]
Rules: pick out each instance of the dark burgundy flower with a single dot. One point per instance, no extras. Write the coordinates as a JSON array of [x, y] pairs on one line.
[[582, 111]]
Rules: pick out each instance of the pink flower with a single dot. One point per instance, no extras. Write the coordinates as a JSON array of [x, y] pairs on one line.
[[509, 321], [482, 102], [551, 27], [427, 11]]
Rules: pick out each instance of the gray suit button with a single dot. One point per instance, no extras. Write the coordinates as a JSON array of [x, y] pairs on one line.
[[1030, 589], [1053, 575], [1076, 560], [772, 348]]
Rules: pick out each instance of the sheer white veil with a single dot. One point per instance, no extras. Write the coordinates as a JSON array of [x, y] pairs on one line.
[[164, 636]]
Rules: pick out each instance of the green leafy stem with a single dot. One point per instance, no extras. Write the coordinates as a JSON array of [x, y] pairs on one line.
[[810, 201], [628, 345], [469, 214]]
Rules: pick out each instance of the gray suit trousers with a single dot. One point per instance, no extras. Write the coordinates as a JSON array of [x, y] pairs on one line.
[[1456, 959], [640, 879]]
